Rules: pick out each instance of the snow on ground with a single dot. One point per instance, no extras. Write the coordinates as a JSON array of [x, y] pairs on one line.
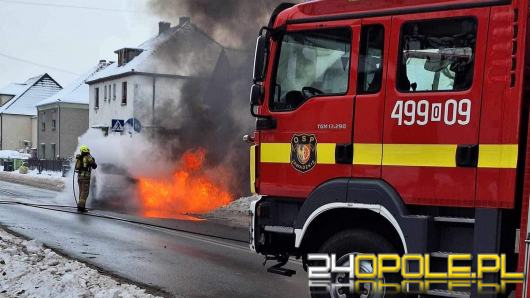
[[45, 174], [27, 269], [46, 179], [237, 213]]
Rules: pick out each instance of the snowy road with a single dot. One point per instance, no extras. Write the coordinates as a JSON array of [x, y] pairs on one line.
[[179, 263]]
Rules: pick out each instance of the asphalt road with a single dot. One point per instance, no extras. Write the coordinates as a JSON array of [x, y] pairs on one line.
[[179, 263]]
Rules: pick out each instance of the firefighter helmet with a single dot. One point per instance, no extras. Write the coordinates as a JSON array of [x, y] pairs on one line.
[[84, 149]]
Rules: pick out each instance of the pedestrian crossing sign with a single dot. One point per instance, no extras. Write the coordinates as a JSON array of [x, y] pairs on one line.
[[118, 125]]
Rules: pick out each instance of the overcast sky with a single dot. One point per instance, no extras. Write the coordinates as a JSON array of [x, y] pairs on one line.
[[67, 40]]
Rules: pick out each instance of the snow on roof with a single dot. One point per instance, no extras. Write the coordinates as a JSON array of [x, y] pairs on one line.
[[183, 50], [10, 154], [36, 89], [13, 89], [77, 91], [17, 89]]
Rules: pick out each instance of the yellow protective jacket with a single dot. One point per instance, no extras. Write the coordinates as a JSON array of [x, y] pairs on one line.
[[84, 165]]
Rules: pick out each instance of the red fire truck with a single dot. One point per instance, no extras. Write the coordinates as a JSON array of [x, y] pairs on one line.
[[392, 126]]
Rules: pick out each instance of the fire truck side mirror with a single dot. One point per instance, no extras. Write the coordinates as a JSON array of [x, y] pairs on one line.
[[260, 60], [256, 98], [256, 95]]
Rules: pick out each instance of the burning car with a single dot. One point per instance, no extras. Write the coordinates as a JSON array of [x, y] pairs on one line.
[[113, 187], [190, 188]]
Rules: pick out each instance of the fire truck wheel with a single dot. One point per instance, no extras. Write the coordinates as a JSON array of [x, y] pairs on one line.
[[349, 242]]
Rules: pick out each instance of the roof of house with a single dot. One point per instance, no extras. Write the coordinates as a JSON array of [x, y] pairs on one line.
[[29, 94], [77, 91], [183, 50], [13, 89]]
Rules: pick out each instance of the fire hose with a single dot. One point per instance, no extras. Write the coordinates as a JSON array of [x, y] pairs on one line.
[[73, 188], [59, 208]]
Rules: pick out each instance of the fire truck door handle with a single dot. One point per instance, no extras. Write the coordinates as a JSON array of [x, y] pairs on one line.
[[467, 156], [266, 123], [344, 154]]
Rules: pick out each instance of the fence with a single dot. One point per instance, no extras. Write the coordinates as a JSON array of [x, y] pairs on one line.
[[53, 165]]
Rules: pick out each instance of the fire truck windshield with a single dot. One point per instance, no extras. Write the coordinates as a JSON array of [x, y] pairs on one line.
[[311, 63]]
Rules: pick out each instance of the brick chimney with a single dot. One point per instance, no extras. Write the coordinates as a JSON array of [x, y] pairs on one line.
[[184, 20], [163, 26]]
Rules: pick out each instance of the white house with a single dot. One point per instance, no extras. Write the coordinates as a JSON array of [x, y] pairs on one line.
[[150, 77], [63, 117], [18, 112]]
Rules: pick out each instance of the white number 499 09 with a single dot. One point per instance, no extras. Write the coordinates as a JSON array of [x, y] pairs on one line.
[[422, 112]]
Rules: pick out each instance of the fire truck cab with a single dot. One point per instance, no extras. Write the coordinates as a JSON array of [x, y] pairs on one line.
[[391, 126]]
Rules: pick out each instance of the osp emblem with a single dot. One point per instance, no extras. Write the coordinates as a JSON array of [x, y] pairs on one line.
[[303, 152]]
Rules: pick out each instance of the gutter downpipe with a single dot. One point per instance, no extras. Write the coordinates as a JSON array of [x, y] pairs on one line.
[[59, 130], [153, 108]]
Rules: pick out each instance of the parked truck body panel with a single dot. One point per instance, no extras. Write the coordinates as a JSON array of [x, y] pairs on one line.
[[407, 118]]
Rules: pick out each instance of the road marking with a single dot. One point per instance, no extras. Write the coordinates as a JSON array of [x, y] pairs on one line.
[[199, 238]]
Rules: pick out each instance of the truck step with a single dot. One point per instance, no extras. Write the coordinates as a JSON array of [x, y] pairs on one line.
[[447, 219], [279, 229], [446, 293], [281, 271], [440, 254]]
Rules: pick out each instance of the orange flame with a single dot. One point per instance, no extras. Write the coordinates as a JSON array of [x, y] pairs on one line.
[[190, 190]]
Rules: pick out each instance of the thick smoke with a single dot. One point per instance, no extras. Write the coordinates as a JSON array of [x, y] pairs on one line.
[[233, 23], [212, 111]]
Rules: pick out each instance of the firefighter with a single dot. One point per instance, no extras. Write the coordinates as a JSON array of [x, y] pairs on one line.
[[84, 165]]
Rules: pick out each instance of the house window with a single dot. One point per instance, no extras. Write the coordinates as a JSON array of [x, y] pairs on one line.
[[54, 125], [114, 91], [43, 126], [42, 151], [124, 93], [53, 151], [437, 55], [96, 99], [105, 92]]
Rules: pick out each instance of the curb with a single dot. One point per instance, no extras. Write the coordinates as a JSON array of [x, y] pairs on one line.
[[54, 184]]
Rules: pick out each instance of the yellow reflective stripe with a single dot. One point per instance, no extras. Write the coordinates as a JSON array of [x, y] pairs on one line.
[[326, 153], [275, 152], [419, 155], [367, 154], [253, 169], [411, 155], [498, 156]]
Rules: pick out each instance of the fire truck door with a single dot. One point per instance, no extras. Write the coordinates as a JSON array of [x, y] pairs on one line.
[[432, 108], [370, 99], [311, 100]]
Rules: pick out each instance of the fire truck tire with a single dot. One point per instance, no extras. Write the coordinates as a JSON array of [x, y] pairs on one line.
[[355, 241]]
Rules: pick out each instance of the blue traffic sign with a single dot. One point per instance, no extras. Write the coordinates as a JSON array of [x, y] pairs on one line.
[[135, 124], [118, 125]]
